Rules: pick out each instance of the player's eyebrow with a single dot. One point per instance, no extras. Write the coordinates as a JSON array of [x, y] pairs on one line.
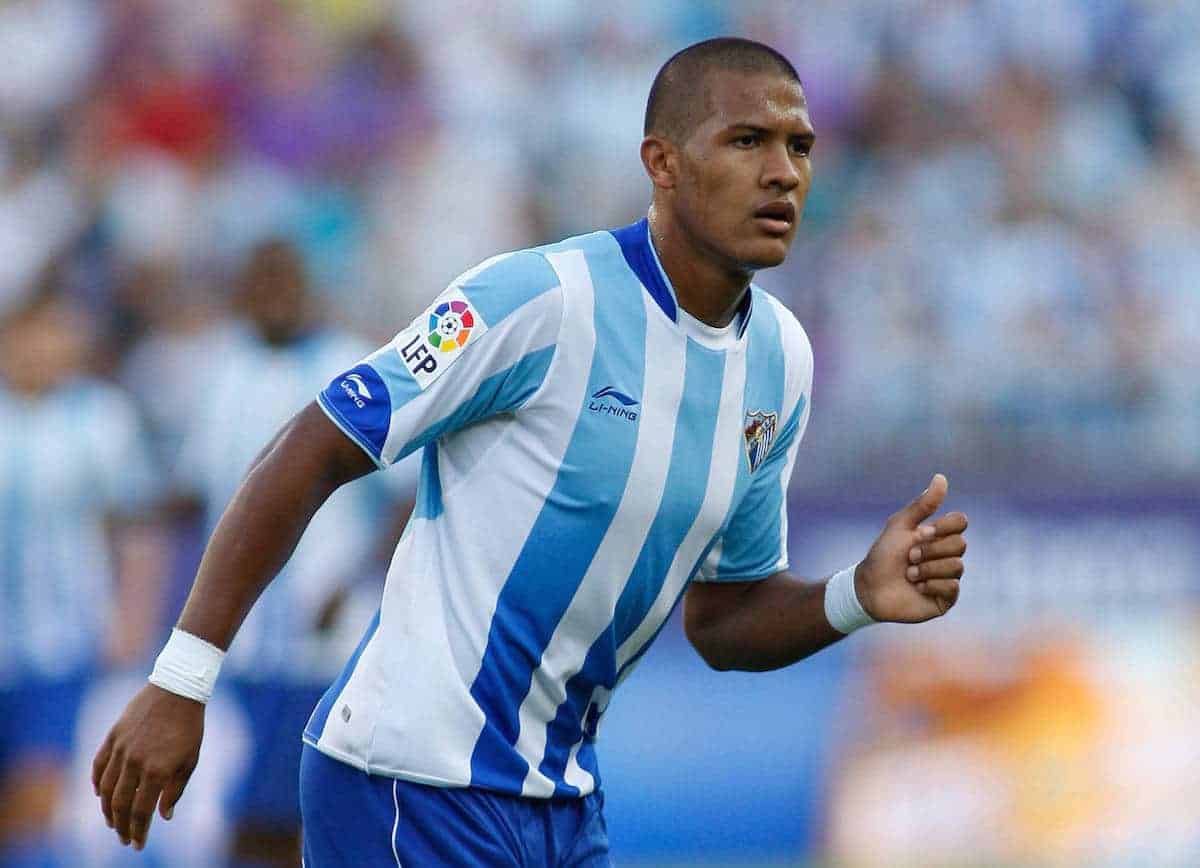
[[807, 135]]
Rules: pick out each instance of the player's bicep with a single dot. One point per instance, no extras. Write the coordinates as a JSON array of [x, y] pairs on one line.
[[706, 604]]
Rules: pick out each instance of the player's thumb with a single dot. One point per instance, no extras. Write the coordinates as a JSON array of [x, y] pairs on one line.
[[924, 504]]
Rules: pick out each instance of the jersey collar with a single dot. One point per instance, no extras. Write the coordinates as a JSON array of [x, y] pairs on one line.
[[641, 256]]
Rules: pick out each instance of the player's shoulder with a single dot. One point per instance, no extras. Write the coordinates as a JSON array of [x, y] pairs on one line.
[[793, 339], [501, 285]]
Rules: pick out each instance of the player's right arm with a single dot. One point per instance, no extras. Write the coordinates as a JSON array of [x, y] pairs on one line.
[[153, 747], [483, 348]]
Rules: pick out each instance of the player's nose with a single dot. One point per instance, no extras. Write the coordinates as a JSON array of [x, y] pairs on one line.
[[780, 170]]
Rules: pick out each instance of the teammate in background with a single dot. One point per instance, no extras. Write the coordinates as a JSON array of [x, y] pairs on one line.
[[608, 425], [291, 646], [79, 563]]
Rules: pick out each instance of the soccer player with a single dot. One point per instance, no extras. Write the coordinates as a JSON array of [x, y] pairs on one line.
[[608, 425], [79, 562], [286, 652]]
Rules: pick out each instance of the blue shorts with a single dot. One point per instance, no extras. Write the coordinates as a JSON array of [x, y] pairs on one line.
[[366, 821], [37, 719], [266, 793]]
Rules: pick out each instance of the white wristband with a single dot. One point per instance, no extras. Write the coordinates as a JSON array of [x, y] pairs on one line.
[[842, 606], [187, 666]]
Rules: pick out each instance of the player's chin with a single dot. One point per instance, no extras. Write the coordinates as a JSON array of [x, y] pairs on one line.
[[766, 251]]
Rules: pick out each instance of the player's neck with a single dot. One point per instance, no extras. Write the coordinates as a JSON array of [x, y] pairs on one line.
[[709, 290]]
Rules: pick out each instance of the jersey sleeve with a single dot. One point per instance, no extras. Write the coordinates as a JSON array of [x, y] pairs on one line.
[[482, 348], [753, 545]]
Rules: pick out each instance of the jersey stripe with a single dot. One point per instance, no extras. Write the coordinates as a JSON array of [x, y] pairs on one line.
[[590, 611], [692, 440], [560, 545], [718, 494]]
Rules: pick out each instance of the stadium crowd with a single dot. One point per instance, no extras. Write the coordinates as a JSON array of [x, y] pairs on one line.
[[1000, 259]]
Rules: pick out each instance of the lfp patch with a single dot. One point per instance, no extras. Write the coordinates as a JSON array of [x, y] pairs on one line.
[[437, 337], [760, 434]]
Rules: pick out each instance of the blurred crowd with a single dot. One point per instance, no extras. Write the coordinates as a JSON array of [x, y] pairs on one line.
[[206, 209], [999, 262]]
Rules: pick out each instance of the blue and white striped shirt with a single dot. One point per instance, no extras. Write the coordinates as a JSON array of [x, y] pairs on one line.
[[69, 459], [584, 459]]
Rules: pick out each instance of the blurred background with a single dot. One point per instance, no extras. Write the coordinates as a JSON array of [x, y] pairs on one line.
[[207, 209]]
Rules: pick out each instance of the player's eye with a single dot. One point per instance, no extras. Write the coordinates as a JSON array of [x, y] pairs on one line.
[[747, 140], [801, 147]]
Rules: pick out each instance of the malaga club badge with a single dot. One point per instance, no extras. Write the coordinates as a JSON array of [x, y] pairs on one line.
[[760, 434]]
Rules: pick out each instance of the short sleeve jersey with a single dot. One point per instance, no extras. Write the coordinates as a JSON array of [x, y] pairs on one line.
[[584, 460]]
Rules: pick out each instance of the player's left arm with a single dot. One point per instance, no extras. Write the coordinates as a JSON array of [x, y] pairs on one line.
[[910, 574]]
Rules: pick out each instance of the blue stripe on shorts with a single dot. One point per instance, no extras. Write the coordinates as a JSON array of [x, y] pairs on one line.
[[368, 821]]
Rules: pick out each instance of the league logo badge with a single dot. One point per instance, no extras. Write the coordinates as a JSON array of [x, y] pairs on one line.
[[435, 339], [760, 434], [450, 325]]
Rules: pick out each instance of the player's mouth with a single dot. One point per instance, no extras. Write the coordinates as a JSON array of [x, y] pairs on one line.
[[776, 218]]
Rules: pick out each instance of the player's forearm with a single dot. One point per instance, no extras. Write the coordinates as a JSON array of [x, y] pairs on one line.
[[760, 625], [263, 523]]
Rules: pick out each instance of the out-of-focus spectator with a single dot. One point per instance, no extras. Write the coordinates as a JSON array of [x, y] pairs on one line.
[[79, 567], [292, 644]]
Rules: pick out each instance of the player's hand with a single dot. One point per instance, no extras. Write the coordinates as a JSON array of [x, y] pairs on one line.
[[912, 571], [150, 752]]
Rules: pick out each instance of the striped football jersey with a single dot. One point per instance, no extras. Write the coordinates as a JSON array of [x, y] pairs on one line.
[[583, 460], [70, 460]]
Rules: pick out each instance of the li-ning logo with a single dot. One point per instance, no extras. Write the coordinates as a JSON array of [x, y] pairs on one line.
[[363, 391], [356, 390], [599, 405]]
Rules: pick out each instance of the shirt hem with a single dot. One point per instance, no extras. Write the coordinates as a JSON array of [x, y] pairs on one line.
[[418, 777]]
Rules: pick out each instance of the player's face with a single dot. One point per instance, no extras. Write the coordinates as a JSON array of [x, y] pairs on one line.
[[274, 294], [745, 170]]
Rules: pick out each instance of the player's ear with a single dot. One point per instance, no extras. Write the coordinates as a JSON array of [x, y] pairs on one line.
[[661, 161]]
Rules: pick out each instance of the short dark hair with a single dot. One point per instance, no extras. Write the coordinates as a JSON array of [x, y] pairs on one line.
[[676, 103]]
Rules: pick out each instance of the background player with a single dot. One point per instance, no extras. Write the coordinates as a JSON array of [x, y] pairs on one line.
[[79, 562], [290, 647]]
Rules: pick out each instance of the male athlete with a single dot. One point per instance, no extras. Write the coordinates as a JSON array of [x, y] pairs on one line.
[[608, 424]]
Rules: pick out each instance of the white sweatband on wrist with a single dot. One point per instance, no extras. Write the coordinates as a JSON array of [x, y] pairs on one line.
[[187, 666], [842, 606]]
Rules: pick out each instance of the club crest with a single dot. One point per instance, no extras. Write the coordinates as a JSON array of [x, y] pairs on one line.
[[760, 434]]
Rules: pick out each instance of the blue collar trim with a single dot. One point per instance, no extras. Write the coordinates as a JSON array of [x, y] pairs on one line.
[[639, 253], [635, 245]]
